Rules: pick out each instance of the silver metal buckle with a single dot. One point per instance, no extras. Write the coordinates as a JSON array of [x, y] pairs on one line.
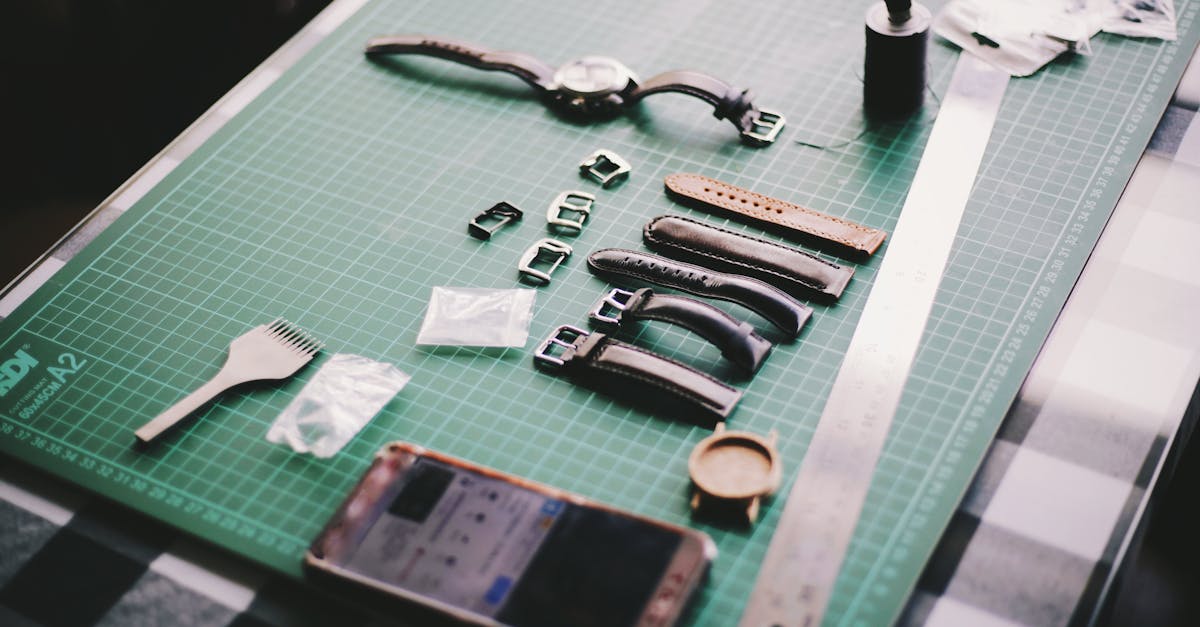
[[563, 337], [499, 215], [615, 300], [546, 250], [606, 167], [579, 203], [764, 128]]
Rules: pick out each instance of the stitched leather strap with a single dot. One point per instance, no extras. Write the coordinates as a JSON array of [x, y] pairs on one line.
[[602, 359], [537, 74], [793, 271], [737, 340], [777, 307], [724, 199]]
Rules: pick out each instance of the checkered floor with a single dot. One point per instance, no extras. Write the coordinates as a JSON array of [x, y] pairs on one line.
[[69, 560], [1051, 510]]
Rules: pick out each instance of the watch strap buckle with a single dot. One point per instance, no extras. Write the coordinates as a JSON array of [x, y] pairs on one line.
[[605, 167], [493, 219], [546, 250], [608, 309], [577, 205], [564, 337], [763, 127]]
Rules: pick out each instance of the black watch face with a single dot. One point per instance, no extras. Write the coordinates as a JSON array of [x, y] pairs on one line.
[[593, 76]]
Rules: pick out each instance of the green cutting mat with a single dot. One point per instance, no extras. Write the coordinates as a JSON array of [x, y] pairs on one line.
[[341, 196]]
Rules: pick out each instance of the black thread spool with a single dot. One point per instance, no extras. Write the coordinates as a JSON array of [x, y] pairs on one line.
[[894, 65]]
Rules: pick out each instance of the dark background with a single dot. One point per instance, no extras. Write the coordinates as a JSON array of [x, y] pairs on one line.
[[91, 89]]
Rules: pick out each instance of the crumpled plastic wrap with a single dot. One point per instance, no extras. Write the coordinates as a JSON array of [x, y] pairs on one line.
[[336, 404], [1143, 18], [1021, 36]]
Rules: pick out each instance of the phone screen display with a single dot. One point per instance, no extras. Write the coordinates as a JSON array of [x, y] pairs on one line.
[[511, 553]]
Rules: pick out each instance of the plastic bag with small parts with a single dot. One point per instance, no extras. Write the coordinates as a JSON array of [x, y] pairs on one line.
[[473, 316], [336, 404]]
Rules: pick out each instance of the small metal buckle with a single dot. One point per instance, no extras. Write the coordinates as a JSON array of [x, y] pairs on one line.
[[499, 214], [546, 250], [615, 300], [563, 337], [605, 167], [764, 128], [579, 203]]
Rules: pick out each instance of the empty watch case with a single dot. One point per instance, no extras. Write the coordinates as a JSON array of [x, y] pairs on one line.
[[605, 167], [733, 471]]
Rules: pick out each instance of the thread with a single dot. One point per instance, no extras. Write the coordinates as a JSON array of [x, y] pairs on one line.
[[897, 36], [872, 125]]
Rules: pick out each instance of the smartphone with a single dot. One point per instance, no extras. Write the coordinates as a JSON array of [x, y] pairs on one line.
[[481, 547]]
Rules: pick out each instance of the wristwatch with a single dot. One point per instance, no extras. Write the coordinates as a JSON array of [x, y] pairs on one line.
[[595, 87]]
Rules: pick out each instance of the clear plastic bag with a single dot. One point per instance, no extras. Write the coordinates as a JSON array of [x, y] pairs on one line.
[[336, 404], [473, 316]]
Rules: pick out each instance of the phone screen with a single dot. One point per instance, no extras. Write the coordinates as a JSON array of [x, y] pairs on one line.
[[511, 553]]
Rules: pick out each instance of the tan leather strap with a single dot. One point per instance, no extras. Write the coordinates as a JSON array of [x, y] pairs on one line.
[[717, 197]]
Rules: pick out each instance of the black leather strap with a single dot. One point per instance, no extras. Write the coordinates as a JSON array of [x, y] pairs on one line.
[[794, 271], [777, 307], [537, 74], [729, 103], [612, 364], [725, 98], [737, 340]]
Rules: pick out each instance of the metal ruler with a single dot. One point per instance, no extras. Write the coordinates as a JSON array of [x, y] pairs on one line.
[[822, 509]]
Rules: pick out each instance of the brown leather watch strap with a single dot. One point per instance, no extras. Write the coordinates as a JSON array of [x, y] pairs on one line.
[[716, 197]]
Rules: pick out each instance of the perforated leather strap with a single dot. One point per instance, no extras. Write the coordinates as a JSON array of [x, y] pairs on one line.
[[537, 74], [724, 199], [777, 307], [793, 271]]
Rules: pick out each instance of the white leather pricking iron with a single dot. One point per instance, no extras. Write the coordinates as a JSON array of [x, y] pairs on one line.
[[266, 352]]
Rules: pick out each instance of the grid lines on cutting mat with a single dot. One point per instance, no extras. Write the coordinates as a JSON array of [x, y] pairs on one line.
[[340, 197]]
